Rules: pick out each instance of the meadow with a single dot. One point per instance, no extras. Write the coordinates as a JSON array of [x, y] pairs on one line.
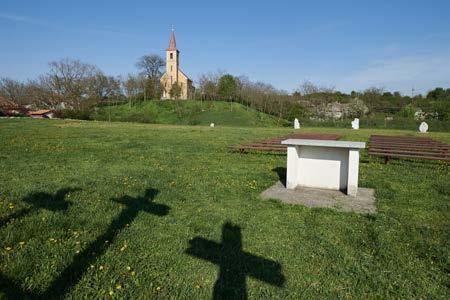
[[122, 210]]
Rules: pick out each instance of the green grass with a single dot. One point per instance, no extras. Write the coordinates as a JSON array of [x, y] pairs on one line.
[[187, 112], [83, 225]]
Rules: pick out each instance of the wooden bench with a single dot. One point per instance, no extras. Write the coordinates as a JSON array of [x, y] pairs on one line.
[[274, 144], [408, 147]]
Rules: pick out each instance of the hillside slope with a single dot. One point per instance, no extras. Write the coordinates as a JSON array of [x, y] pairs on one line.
[[188, 112]]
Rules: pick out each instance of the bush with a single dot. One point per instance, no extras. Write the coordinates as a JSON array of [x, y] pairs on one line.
[[139, 118], [74, 114]]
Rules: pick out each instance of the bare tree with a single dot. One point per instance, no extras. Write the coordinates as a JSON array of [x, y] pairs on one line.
[[101, 87], [151, 65], [133, 87], [70, 79], [12, 90]]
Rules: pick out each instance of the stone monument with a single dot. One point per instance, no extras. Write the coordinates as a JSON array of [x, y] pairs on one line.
[[355, 123], [296, 124]]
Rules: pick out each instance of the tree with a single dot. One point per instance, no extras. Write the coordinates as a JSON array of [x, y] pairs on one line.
[[12, 90], [151, 65], [175, 91], [69, 79], [438, 94], [133, 87], [227, 87], [208, 84], [102, 87]]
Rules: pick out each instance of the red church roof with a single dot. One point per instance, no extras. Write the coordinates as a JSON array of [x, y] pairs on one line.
[[173, 42]]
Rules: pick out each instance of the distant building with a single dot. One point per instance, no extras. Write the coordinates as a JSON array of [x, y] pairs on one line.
[[41, 114], [174, 75]]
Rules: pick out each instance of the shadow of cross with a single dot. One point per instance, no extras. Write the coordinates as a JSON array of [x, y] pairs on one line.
[[42, 200], [235, 264], [74, 272]]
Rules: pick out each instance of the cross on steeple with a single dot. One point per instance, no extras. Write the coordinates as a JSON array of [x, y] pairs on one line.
[[235, 264]]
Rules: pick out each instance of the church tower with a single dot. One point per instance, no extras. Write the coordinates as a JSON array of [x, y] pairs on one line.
[[174, 75], [172, 59]]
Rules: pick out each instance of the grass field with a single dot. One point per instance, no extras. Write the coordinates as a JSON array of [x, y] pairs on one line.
[[122, 210], [186, 112]]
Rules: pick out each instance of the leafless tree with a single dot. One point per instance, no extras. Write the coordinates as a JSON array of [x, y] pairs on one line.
[[12, 90], [101, 87], [151, 65], [70, 79], [133, 86]]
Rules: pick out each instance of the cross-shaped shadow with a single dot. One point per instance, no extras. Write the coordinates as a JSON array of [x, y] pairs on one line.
[[235, 264], [42, 200], [74, 272]]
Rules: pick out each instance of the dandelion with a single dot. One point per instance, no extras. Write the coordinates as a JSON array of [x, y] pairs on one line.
[[78, 251], [8, 248], [21, 243], [128, 268], [101, 268], [118, 286], [91, 266], [158, 288], [125, 246], [111, 292], [133, 273]]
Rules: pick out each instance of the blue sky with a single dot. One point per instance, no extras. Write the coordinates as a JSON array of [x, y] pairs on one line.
[[350, 45]]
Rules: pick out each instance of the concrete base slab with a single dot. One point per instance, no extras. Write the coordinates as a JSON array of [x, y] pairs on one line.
[[363, 203]]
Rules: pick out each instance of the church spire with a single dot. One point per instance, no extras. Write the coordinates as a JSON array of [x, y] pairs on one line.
[[173, 42]]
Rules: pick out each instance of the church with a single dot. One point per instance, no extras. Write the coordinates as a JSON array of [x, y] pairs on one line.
[[174, 75]]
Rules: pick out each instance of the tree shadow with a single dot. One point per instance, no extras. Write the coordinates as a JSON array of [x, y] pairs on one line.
[[72, 274], [234, 263], [42, 200], [281, 172]]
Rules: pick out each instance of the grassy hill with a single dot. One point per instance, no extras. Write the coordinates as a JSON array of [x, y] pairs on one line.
[[93, 210], [187, 113]]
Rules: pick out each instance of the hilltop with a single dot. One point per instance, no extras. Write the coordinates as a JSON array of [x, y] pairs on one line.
[[187, 112]]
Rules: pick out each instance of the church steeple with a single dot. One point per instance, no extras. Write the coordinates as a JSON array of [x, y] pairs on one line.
[[172, 59], [173, 42]]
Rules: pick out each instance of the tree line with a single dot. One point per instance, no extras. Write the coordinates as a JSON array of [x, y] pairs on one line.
[[74, 85]]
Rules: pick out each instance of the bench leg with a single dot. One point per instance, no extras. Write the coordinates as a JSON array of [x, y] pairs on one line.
[[386, 159]]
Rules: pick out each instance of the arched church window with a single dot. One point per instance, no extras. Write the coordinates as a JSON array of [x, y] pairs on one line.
[[171, 55]]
